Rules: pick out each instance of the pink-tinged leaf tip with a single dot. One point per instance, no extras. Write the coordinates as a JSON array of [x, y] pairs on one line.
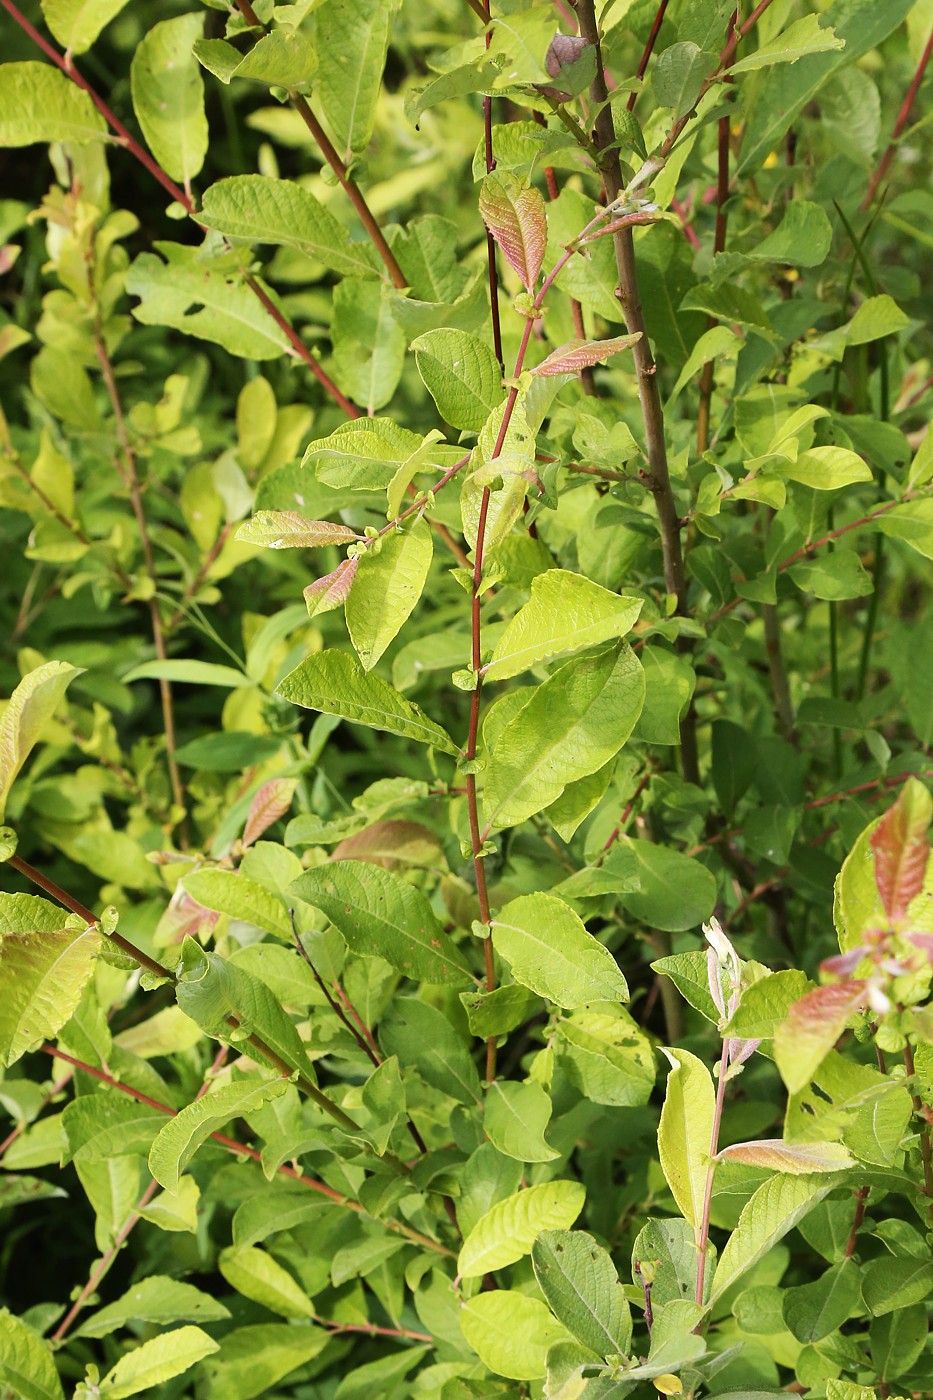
[[514, 215], [271, 802], [333, 590], [901, 846], [581, 354]]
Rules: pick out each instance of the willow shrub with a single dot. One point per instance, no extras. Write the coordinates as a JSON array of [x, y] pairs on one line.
[[435, 985]]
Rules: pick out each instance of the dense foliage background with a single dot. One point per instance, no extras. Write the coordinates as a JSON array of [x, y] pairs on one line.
[[574, 362]]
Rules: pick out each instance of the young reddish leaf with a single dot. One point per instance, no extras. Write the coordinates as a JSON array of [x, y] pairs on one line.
[[813, 1025], [580, 354], [901, 845], [333, 590], [286, 529], [392, 843], [271, 802], [514, 214], [795, 1157]]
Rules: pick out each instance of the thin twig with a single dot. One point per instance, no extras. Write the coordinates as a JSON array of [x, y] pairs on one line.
[[881, 169], [648, 51]]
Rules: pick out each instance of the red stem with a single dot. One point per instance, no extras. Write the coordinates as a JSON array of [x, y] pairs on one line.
[[492, 271], [649, 49], [881, 168]]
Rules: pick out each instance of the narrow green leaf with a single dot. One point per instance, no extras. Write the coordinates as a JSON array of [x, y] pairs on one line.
[[386, 589], [685, 1132], [39, 103], [548, 948], [351, 39], [510, 1228], [799, 40], [156, 1361], [168, 95], [31, 706], [775, 1208], [381, 915], [258, 1276], [571, 726], [261, 209], [181, 1137], [579, 1281], [157, 1299], [565, 613]]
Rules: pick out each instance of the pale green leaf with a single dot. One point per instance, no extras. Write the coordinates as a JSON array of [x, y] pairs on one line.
[[258, 1276], [579, 1281], [30, 707], [804, 37], [156, 1361], [230, 892], [797, 1158], [181, 1137], [336, 684], [77, 23], [262, 209], [43, 976], [368, 342], [515, 1118], [386, 589], [507, 1231], [549, 950], [282, 58], [157, 1299], [826, 468], [190, 673], [26, 1363], [461, 374], [38, 103], [775, 1208], [685, 1132], [381, 915], [607, 1056], [511, 1333], [286, 529], [571, 726], [565, 613], [352, 37], [168, 95]]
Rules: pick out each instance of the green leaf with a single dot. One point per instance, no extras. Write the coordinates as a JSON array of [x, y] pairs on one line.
[[679, 74], [205, 299], [156, 1361], [515, 1118], [282, 58], [565, 613], [514, 214], [168, 96], [897, 1339], [351, 38], [261, 1216], [775, 1208], [336, 684], [102, 1125], [258, 1276], [43, 975], [77, 23], [261, 209], [508, 1231], [549, 950], [189, 673], [386, 589], [673, 891], [836, 576], [30, 707], [579, 1281], [799, 40], [876, 317], [461, 374], [607, 1056], [571, 726], [38, 103], [813, 1025], [181, 1137], [368, 342], [422, 1037], [230, 892], [826, 468], [156, 1299], [382, 916], [511, 1333], [912, 522], [689, 974], [803, 237], [26, 1363], [251, 1360], [794, 1157], [890, 1284], [814, 1310], [764, 1005], [686, 1131]]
